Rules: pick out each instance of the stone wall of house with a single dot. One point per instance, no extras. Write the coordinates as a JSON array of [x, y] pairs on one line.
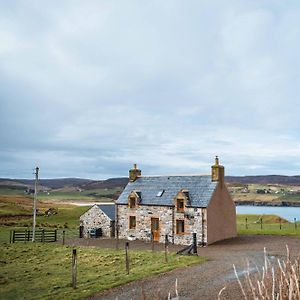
[[96, 218], [167, 216]]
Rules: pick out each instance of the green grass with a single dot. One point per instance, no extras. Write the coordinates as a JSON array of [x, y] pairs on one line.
[[67, 217], [290, 197], [87, 195], [13, 209], [270, 225], [43, 271], [5, 190]]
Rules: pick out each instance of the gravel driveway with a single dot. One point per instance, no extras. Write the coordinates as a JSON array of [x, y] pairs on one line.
[[202, 281]]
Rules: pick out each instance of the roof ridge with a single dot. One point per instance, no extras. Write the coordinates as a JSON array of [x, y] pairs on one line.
[[175, 175]]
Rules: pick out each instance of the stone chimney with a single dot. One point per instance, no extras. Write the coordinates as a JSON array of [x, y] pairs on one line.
[[134, 173], [217, 171]]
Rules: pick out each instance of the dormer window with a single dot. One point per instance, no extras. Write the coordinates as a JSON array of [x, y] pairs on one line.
[[180, 205], [186, 194], [134, 198], [132, 202]]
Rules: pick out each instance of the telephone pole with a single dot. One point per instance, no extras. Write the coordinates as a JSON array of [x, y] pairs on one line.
[[34, 201]]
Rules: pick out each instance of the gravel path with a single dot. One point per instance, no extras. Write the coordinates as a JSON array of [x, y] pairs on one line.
[[202, 281]]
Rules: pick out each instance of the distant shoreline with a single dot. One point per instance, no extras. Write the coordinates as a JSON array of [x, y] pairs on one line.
[[266, 203]]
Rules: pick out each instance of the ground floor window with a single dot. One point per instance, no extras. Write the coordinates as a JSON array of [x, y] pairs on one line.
[[132, 222], [179, 226]]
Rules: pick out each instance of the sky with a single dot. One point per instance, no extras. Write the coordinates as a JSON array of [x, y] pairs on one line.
[[87, 88]]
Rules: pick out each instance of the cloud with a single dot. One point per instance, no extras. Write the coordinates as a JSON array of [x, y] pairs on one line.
[[89, 88]]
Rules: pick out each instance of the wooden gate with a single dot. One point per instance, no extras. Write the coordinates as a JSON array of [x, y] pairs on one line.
[[44, 236], [155, 229]]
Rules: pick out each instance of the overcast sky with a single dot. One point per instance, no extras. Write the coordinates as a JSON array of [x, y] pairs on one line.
[[87, 88]]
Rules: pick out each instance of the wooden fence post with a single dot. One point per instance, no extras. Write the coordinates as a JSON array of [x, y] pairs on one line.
[[246, 223], [63, 238], [260, 223], [74, 268], [280, 223], [166, 248], [43, 235], [13, 238], [152, 241], [126, 257], [195, 242], [117, 237], [10, 236]]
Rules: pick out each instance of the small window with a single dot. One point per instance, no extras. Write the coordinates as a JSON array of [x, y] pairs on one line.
[[132, 222], [160, 193], [179, 226], [180, 205], [132, 203], [187, 195]]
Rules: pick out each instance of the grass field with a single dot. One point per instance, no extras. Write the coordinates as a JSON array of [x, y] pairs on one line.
[[270, 224], [277, 192], [57, 195], [43, 271]]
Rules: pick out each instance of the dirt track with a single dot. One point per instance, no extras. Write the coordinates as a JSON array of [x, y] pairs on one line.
[[202, 281]]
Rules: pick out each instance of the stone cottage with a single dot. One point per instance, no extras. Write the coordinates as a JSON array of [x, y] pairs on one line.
[[99, 216], [176, 206]]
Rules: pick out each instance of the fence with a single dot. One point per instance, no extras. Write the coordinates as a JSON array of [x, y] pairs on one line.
[[268, 224], [44, 236]]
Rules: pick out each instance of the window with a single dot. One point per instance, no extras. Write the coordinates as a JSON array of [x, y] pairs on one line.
[[180, 205], [132, 202], [160, 193], [187, 195], [179, 226], [132, 222]]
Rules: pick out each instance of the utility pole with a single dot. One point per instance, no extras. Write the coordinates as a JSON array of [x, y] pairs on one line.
[[34, 201]]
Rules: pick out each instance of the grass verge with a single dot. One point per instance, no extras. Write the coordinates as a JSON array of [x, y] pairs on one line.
[[270, 224], [43, 271]]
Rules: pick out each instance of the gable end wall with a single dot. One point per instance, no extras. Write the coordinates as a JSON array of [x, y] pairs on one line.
[[96, 218], [221, 216]]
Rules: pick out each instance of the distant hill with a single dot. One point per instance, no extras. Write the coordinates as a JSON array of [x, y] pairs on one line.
[[49, 183], [87, 184], [61, 183], [264, 179], [108, 183]]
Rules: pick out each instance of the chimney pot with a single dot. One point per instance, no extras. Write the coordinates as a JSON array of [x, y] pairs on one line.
[[134, 173]]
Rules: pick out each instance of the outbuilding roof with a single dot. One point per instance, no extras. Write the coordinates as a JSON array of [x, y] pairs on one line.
[[161, 190], [108, 209]]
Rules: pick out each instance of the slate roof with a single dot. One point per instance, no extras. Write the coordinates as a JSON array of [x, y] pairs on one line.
[[200, 189], [108, 209]]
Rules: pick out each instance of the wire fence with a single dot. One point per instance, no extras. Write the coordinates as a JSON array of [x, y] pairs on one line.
[[266, 224]]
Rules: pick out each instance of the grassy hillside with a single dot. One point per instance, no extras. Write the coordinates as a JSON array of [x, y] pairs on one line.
[[271, 193]]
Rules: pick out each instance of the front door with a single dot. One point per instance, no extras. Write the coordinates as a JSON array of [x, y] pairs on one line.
[[155, 229]]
